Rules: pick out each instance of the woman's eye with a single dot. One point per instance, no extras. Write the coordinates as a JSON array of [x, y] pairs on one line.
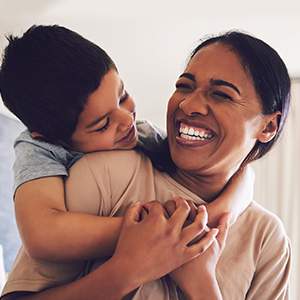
[[103, 128], [124, 98], [222, 95], [183, 86]]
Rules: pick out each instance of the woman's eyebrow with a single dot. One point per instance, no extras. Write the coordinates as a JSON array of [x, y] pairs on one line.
[[188, 76], [212, 81], [226, 83]]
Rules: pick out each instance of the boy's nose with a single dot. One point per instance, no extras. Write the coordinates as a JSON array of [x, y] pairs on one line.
[[126, 119]]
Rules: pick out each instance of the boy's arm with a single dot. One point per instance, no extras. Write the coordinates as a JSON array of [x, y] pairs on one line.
[[146, 250], [197, 278], [49, 231], [235, 198]]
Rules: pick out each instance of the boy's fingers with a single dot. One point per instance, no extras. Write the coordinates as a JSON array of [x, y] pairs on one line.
[[170, 207], [180, 214], [154, 207], [197, 227], [144, 213], [223, 227], [193, 211], [200, 247], [132, 215]]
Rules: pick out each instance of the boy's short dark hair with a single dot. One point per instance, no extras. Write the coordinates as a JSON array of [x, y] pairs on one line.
[[46, 77]]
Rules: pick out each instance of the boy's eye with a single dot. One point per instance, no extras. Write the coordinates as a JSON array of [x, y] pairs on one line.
[[103, 128], [124, 98]]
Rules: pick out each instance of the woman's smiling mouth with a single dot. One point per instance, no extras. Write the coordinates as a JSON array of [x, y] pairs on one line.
[[192, 135]]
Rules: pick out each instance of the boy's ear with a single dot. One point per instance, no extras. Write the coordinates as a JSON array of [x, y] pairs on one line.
[[36, 135], [270, 129]]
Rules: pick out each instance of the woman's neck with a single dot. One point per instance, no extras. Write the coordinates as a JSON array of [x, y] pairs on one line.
[[208, 187]]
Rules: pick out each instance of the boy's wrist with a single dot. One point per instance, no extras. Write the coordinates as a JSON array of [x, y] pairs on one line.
[[122, 279], [206, 289]]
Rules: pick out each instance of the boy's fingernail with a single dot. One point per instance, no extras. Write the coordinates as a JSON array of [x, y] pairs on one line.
[[201, 208], [229, 217], [215, 231]]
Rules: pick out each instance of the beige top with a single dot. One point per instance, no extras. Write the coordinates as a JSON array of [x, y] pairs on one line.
[[255, 263]]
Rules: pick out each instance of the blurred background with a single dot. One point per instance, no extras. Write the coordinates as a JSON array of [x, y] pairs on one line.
[[150, 42]]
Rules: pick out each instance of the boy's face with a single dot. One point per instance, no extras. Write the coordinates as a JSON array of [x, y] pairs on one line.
[[108, 119]]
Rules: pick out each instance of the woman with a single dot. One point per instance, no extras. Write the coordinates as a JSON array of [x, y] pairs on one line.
[[229, 107], [236, 89]]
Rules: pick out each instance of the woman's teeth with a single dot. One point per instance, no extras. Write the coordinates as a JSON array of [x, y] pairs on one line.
[[190, 133]]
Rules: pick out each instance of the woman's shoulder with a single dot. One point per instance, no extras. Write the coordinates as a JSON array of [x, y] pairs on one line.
[[116, 158], [257, 211], [113, 164], [108, 179], [264, 222]]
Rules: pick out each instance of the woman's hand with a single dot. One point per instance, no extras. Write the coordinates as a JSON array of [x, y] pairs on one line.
[[197, 278]]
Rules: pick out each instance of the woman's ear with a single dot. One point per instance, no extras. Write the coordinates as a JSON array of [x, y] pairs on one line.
[[271, 126]]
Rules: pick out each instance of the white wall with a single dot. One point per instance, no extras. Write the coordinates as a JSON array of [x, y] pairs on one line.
[[150, 40]]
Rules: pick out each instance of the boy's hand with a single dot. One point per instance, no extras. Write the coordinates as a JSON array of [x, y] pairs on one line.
[[170, 207], [156, 245], [198, 277]]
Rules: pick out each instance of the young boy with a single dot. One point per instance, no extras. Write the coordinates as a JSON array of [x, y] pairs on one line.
[[68, 93]]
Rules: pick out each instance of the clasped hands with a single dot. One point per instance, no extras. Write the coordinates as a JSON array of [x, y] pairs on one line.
[[156, 240]]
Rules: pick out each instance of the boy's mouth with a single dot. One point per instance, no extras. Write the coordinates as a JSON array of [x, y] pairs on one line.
[[129, 137]]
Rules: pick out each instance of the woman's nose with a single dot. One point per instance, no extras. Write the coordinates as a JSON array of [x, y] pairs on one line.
[[194, 104]]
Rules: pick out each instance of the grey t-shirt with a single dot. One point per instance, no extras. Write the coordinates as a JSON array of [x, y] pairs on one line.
[[36, 158]]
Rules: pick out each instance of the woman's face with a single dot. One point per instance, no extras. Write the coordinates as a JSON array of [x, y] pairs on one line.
[[214, 116]]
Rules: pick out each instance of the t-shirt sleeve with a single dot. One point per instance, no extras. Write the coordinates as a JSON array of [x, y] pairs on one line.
[[149, 135], [271, 278], [32, 162]]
